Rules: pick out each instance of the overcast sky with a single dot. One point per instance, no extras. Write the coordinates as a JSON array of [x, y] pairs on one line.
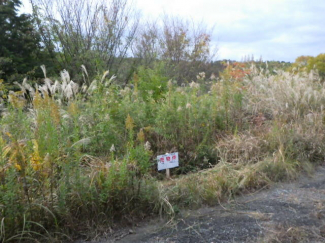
[[274, 29]]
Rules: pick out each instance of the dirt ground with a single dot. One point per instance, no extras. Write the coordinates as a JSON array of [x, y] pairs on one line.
[[287, 212]]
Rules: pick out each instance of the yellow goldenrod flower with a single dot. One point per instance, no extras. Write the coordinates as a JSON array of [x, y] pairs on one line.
[[129, 124], [17, 166], [36, 161], [140, 136]]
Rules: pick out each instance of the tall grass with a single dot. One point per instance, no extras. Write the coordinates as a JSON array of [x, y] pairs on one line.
[[78, 157]]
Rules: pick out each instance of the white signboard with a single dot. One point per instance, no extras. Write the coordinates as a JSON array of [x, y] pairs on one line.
[[167, 161]]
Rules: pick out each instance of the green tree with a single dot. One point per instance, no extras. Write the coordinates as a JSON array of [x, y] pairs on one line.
[[20, 48], [318, 63], [300, 64]]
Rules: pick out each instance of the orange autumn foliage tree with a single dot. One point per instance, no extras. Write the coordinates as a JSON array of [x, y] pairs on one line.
[[236, 71]]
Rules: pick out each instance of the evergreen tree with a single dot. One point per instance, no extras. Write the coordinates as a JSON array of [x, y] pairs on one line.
[[20, 48]]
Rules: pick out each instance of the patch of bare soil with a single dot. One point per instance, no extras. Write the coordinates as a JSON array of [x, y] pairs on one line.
[[287, 212]]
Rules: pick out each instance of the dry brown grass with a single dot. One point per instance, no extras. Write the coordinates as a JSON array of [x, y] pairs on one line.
[[287, 234]]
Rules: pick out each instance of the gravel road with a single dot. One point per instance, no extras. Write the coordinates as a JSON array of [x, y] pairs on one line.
[[286, 212]]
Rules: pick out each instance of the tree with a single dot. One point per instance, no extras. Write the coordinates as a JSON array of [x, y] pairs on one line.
[[20, 47], [318, 63], [300, 64], [97, 34], [183, 46], [302, 61]]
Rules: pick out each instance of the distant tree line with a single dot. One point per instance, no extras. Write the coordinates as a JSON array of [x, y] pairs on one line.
[[104, 35], [101, 35], [307, 63]]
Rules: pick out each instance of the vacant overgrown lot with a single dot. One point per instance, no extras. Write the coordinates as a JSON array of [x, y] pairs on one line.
[[77, 157]]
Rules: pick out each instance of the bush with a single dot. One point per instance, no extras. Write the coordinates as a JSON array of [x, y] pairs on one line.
[[77, 157]]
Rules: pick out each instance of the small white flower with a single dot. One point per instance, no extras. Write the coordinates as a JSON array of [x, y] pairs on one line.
[[125, 91], [179, 108], [170, 84], [112, 149], [194, 85], [201, 76], [147, 146], [188, 106]]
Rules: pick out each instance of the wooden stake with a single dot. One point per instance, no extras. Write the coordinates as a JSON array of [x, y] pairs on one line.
[[167, 173]]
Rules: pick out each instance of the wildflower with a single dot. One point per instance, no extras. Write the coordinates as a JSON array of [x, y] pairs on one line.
[[147, 146], [16, 99], [201, 76], [55, 112], [46, 171], [112, 149], [72, 108], [18, 167], [36, 159], [179, 108], [129, 124], [215, 87], [194, 85], [125, 91], [188, 106], [170, 84], [140, 135]]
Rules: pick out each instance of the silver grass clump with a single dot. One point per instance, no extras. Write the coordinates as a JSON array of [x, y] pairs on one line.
[[71, 90], [56, 87], [65, 76], [108, 82], [84, 73], [104, 76], [64, 90], [67, 89], [95, 83], [68, 92], [25, 87], [81, 142], [44, 70], [92, 87], [285, 93]]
